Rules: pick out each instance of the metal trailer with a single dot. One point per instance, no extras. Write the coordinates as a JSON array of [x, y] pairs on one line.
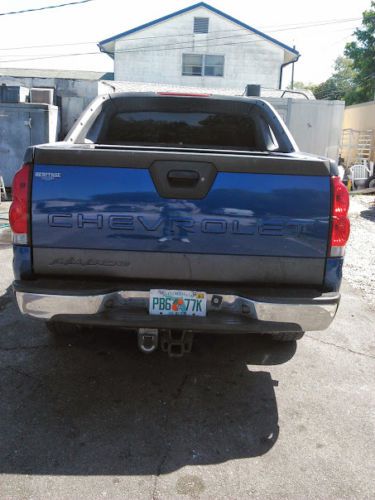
[[316, 125], [23, 125]]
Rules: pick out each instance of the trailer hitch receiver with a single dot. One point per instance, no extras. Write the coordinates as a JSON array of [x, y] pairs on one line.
[[176, 342]]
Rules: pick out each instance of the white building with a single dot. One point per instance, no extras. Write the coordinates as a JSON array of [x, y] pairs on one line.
[[199, 46]]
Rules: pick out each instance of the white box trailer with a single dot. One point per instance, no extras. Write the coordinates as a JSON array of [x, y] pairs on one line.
[[316, 125]]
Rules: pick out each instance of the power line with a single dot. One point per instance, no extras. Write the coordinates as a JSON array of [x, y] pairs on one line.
[[275, 28], [285, 28], [47, 46], [44, 8], [147, 48], [169, 46], [137, 49], [173, 46], [51, 57], [270, 29], [189, 42]]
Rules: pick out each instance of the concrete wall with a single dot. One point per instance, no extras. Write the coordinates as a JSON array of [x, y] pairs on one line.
[[360, 116], [256, 61], [359, 120]]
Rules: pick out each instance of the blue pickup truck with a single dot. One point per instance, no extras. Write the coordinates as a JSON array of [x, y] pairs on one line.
[[173, 214]]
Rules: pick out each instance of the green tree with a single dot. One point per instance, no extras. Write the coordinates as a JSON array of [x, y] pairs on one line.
[[302, 86], [362, 54], [353, 78], [340, 84]]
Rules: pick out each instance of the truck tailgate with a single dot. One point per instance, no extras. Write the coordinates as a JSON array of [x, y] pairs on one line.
[[184, 216]]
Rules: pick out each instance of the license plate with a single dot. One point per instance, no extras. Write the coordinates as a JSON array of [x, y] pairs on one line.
[[177, 303]]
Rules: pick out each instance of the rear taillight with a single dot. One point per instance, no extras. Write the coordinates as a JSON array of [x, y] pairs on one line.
[[19, 209], [340, 225]]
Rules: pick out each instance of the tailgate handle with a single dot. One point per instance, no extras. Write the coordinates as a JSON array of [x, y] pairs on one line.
[[183, 177]]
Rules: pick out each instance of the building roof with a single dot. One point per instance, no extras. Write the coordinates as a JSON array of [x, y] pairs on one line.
[[55, 73], [188, 9]]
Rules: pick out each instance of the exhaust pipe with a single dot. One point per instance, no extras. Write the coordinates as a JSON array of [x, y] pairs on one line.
[[148, 339]]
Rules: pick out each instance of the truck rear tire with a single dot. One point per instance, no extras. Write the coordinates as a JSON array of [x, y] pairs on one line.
[[287, 336]]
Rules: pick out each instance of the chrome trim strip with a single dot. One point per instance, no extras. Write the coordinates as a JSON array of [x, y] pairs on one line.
[[317, 314]]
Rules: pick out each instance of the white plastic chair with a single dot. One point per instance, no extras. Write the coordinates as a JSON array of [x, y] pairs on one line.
[[360, 172]]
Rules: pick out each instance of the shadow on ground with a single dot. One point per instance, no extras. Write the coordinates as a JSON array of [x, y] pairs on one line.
[[369, 214], [93, 404]]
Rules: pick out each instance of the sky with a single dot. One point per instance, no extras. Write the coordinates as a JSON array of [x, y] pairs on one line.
[[82, 26]]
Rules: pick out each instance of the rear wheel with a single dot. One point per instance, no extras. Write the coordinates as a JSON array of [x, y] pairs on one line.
[[287, 336], [371, 182]]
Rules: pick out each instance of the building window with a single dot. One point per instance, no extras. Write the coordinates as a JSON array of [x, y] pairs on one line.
[[192, 64], [202, 65], [200, 24], [213, 65]]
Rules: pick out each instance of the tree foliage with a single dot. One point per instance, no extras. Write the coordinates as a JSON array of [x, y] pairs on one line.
[[353, 78], [362, 53], [340, 84]]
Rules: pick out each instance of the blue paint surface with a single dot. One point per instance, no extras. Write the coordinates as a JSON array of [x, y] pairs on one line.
[[22, 262], [333, 274], [120, 209]]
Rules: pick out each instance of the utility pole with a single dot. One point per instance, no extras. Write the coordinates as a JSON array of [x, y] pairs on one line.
[[292, 81]]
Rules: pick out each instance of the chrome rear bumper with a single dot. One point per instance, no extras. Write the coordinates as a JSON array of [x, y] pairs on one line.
[[307, 314]]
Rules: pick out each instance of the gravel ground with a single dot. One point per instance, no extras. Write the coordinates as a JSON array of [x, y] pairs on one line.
[[359, 269]]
